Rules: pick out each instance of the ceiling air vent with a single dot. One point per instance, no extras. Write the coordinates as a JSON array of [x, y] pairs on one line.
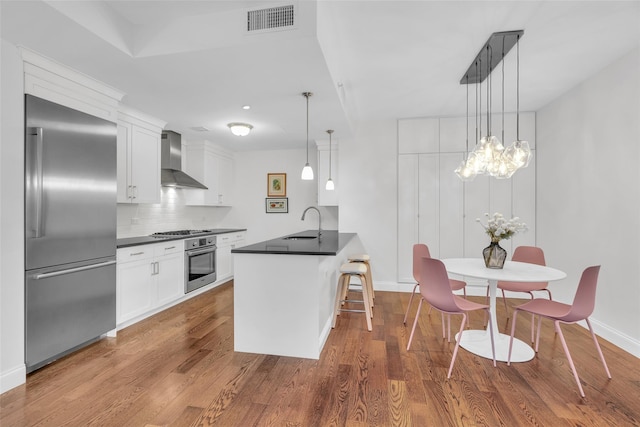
[[272, 18]]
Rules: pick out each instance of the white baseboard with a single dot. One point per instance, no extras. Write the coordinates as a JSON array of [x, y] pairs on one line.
[[13, 378]]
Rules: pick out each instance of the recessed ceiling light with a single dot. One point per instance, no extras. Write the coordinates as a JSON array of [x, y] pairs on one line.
[[246, 107]]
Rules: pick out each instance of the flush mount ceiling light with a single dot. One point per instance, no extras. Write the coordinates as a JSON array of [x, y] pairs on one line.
[[240, 129], [330, 185], [307, 171], [489, 156]]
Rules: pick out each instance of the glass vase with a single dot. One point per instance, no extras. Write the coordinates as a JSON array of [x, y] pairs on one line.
[[494, 256]]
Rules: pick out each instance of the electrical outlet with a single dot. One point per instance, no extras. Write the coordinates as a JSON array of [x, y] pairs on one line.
[[135, 221]]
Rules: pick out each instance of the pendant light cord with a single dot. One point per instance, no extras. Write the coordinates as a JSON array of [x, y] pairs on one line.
[[479, 98], [503, 88], [330, 132], [518, 88], [467, 79], [489, 78], [306, 95]]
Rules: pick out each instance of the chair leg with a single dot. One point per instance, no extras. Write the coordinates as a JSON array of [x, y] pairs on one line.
[[368, 311], [455, 349], [538, 335], [504, 300], [513, 331], [406, 313], [566, 352], [370, 282], [415, 322], [595, 341], [339, 298]]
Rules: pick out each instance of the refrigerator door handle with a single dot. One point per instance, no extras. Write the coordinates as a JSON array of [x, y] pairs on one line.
[[37, 180], [72, 270]]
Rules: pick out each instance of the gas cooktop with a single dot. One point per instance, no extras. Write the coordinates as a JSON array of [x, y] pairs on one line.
[[180, 233]]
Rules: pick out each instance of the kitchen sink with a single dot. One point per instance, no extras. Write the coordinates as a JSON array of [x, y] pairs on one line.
[[299, 237]]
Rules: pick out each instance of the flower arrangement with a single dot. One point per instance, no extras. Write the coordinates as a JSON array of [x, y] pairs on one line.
[[499, 228]]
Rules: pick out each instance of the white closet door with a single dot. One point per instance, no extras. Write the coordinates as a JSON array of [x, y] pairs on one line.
[[451, 199], [476, 203], [408, 180]]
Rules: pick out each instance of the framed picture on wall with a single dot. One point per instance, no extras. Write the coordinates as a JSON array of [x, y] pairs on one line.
[[276, 184], [277, 205]]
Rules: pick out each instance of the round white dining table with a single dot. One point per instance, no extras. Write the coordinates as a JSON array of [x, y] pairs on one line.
[[479, 341]]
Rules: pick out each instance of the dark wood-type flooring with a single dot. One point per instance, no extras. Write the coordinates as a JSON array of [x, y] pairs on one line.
[[178, 368]]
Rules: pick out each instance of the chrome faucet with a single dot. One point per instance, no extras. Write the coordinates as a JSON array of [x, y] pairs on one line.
[[319, 218]]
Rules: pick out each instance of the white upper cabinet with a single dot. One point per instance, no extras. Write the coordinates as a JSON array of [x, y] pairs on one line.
[[327, 197], [212, 166], [418, 135], [138, 157], [436, 208]]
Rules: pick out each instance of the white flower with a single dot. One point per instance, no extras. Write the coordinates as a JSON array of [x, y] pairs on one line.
[[499, 228]]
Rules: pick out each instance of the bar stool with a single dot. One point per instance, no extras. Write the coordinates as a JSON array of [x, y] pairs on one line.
[[348, 270], [364, 259]]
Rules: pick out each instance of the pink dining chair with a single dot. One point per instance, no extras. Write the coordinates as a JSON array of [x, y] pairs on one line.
[[436, 290], [581, 309], [420, 250], [531, 255]]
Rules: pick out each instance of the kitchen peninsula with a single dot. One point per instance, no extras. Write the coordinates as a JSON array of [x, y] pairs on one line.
[[284, 291]]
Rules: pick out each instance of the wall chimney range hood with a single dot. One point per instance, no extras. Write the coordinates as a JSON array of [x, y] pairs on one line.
[[171, 163]]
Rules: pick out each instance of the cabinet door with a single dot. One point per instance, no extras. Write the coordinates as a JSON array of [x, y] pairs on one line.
[[170, 278], [124, 167], [408, 214], [225, 181], [223, 262], [145, 165], [135, 289]]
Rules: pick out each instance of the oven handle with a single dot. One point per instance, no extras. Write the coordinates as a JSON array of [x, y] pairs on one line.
[[201, 251]]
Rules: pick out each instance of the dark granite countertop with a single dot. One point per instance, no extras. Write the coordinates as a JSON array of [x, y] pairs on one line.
[[330, 243], [145, 240]]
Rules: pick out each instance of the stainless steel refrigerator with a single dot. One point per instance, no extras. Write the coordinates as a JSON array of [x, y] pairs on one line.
[[70, 230]]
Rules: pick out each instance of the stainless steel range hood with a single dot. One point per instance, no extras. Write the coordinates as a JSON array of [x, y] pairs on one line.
[[171, 162]]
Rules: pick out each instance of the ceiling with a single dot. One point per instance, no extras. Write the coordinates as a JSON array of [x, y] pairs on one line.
[[192, 64]]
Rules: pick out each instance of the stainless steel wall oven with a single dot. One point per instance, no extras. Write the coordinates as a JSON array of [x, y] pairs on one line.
[[199, 262]]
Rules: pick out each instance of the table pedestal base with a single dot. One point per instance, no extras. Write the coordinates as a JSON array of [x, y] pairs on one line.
[[478, 342]]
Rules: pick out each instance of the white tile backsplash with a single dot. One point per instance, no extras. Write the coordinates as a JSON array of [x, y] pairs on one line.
[[170, 214]]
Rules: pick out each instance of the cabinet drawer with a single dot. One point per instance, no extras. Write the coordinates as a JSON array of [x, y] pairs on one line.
[[134, 253], [229, 238], [168, 248]]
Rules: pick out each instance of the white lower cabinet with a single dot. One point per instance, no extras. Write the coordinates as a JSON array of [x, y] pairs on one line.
[[224, 259], [148, 277]]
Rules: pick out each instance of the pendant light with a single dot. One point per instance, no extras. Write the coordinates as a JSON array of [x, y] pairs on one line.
[[503, 167], [465, 171], [307, 171], [489, 155], [330, 185], [518, 152]]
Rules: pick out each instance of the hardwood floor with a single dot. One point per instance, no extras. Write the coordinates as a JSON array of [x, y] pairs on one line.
[[178, 368]]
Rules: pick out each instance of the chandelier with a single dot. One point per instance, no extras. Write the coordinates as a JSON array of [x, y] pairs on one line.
[[490, 157]]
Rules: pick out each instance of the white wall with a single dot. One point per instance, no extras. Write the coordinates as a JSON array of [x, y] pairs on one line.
[[588, 193], [141, 219], [250, 191], [12, 368], [368, 175]]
